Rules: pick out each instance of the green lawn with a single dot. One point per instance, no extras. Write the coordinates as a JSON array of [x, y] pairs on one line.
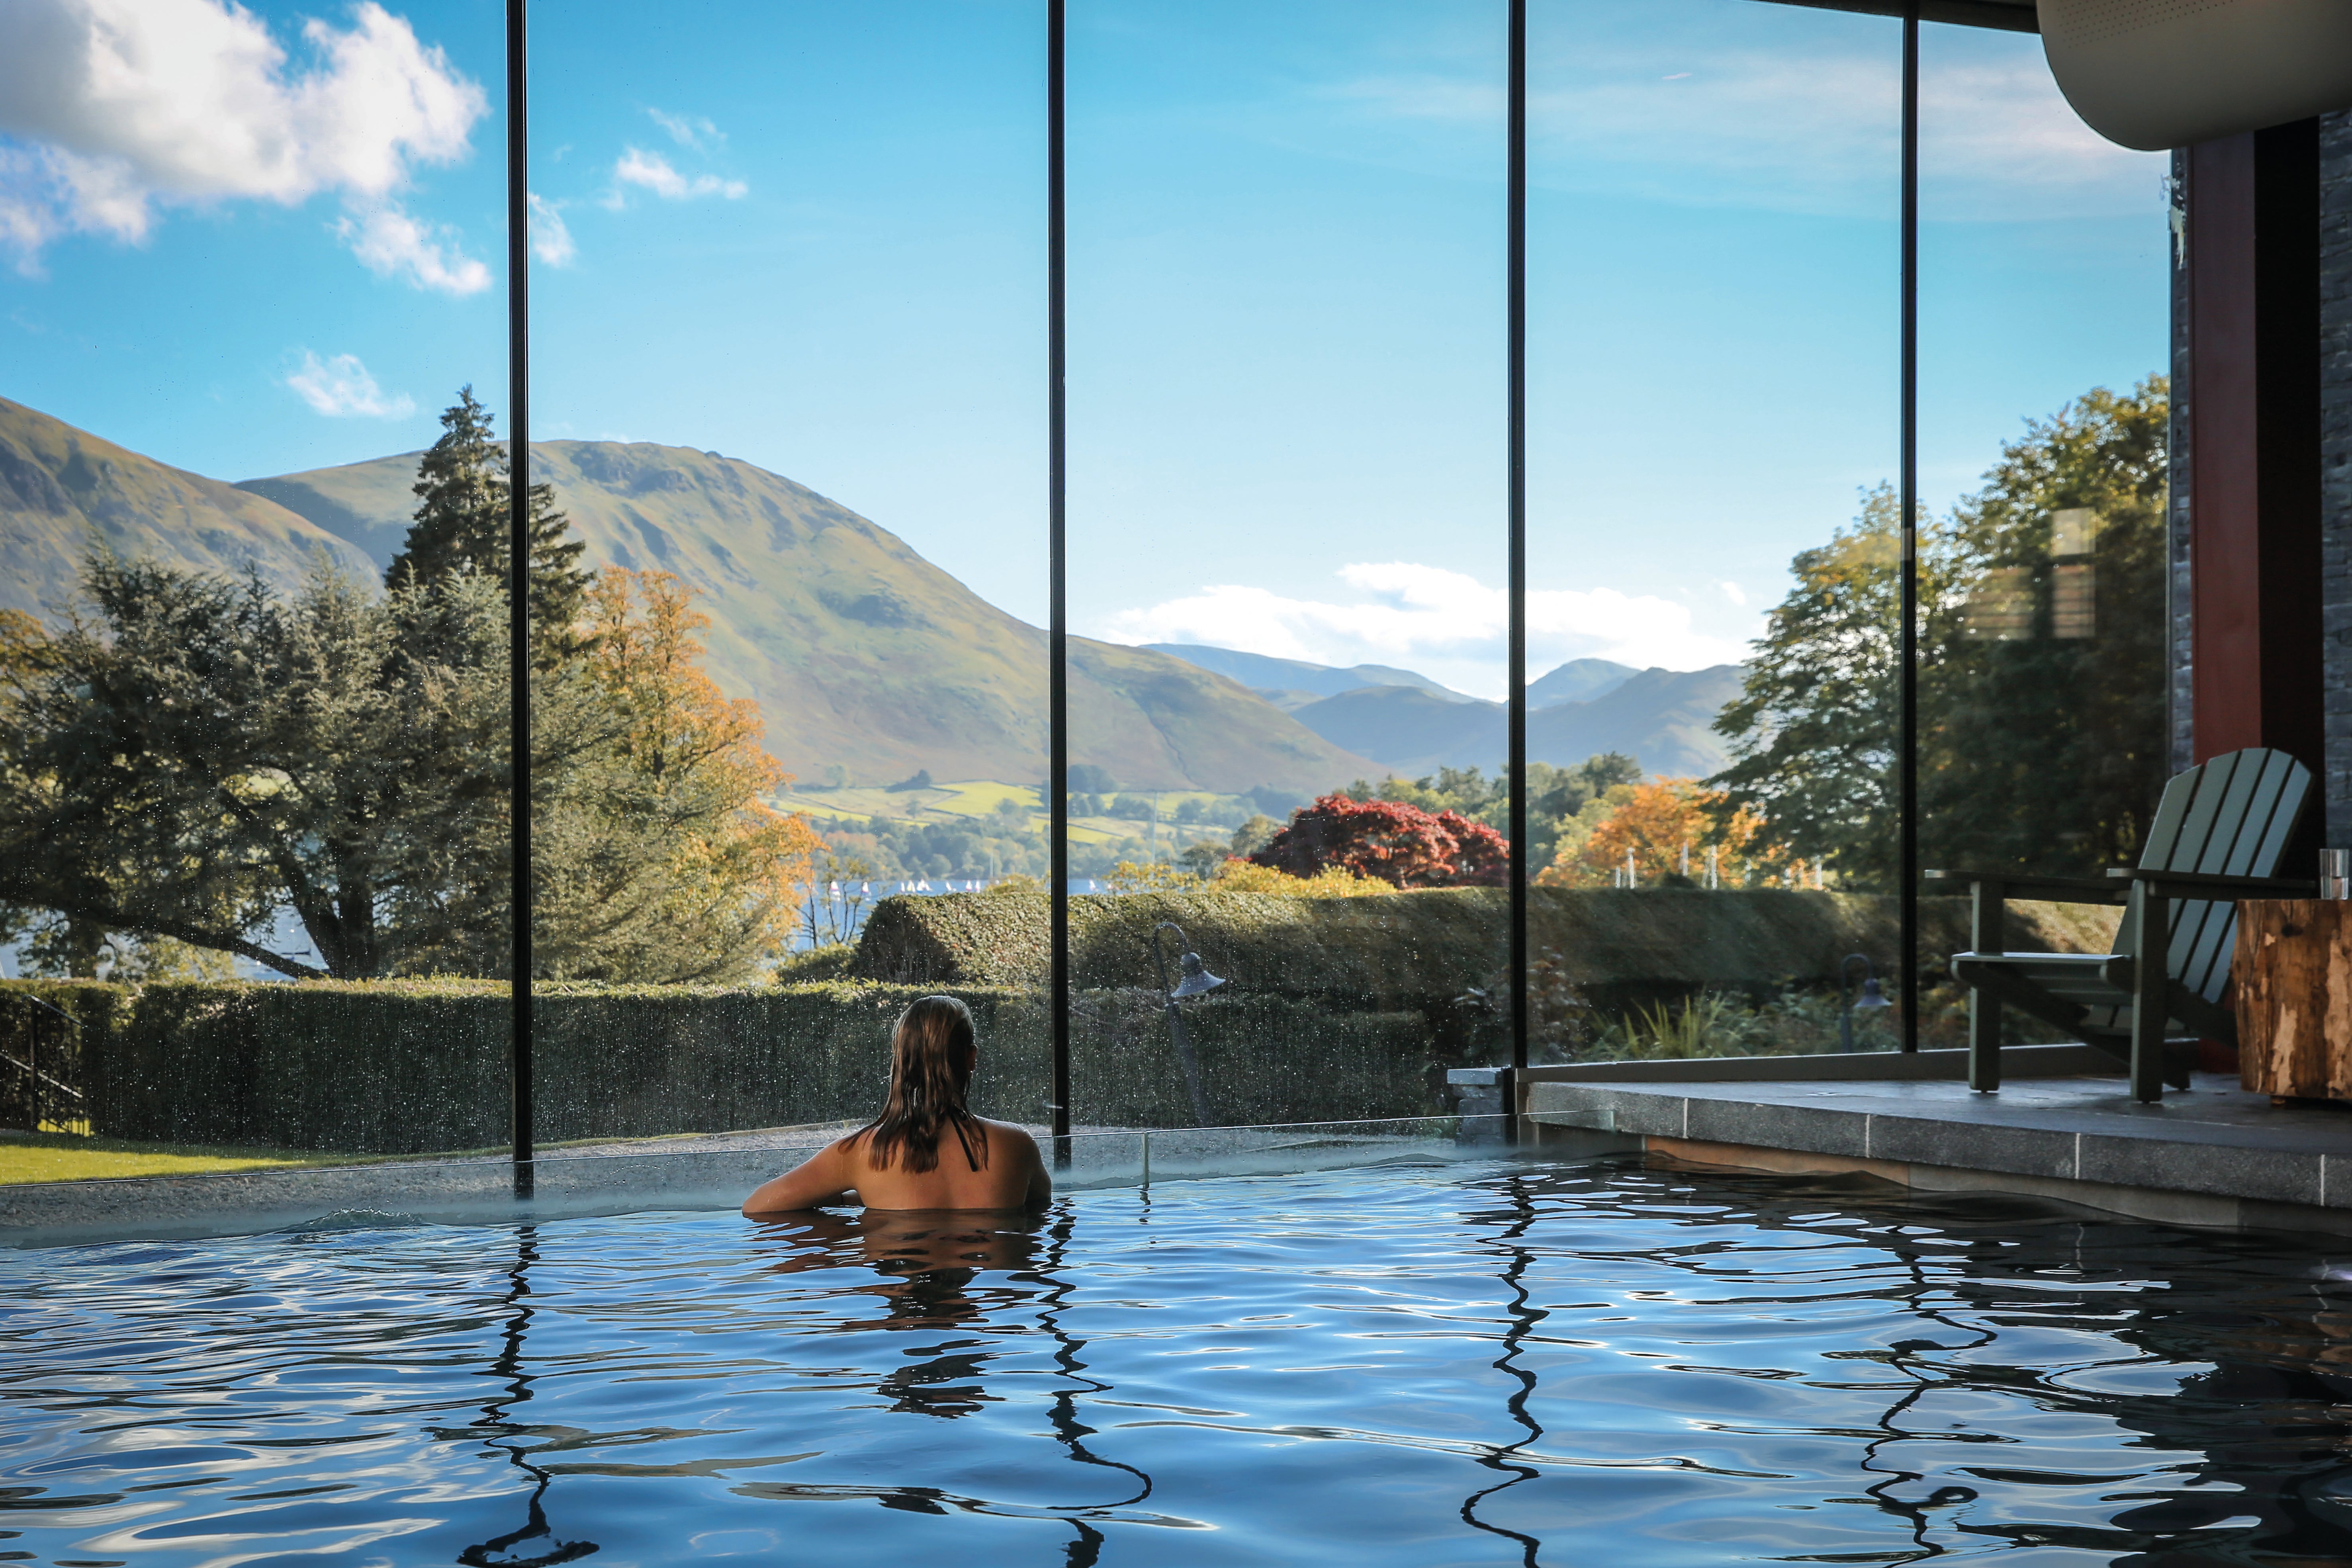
[[72, 1157], [69, 1157]]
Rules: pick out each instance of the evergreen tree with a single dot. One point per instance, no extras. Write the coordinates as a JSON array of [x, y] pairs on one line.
[[462, 524]]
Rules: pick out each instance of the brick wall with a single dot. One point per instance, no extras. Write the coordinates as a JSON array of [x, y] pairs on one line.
[[2336, 543], [2335, 462]]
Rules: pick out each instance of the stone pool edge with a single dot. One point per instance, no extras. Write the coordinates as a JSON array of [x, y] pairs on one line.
[[2214, 1156]]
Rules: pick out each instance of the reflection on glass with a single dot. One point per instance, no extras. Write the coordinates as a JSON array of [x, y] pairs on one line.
[[1713, 264]]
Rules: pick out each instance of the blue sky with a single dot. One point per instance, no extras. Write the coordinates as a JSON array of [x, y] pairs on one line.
[[811, 235]]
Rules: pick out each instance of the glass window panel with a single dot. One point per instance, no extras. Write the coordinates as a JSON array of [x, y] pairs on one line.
[[253, 844], [1287, 556], [1713, 271], [2044, 317], [788, 348]]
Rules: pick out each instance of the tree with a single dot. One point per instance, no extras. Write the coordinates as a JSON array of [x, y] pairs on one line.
[[1554, 795], [1813, 732], [2043, 743], [2042, 666], [464, 521], [1389, 841], [1668, 827], [661, 860], [196, 753]]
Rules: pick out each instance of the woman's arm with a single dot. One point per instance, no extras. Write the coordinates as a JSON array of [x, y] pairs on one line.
[[823, 1178], [1041, 1185]]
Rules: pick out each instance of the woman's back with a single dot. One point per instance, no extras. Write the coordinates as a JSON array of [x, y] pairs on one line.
[[1010, 1172], [927, 1150], [1010, 1175]]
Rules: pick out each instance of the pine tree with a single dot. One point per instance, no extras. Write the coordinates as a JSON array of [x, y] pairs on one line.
[[462, 524]]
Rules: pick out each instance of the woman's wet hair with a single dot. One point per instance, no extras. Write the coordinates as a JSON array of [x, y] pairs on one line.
[[931, 1070]]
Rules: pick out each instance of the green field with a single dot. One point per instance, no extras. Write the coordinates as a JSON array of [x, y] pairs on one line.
[[980, 798]]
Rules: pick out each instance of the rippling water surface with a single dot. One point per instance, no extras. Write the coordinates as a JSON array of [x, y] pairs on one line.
[[1456, 1364]]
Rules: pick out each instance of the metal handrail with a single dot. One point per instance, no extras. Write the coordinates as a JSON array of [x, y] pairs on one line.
[[37, 1076], [46, 1097]]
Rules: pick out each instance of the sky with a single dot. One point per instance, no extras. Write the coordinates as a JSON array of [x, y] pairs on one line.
[[251, 241]]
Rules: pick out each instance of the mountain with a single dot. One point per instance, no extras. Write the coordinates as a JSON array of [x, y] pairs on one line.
[[1660, 717], [1578, 680], [61, 488], [1664, 718], [862, 654], [1278, 678]]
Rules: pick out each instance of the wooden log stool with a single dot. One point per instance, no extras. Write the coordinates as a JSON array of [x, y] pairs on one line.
[[2294, 976]]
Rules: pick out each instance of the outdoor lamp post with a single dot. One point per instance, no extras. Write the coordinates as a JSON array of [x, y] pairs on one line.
[[1193, 979], [1871, 1000]]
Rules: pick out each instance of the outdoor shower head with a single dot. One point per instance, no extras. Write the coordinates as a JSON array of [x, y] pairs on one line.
[[1197, 981]]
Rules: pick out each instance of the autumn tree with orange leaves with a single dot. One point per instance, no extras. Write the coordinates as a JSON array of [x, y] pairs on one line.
[[1668, 827], [663, 860]]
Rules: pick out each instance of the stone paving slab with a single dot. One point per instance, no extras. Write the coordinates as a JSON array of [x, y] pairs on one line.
[[2214, 1138]]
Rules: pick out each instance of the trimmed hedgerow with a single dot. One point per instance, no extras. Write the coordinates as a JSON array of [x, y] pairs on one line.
[[1336, 1009], [1409, 947], [410, 1066]]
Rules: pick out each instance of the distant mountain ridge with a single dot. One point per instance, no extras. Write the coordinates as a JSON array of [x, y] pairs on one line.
[[1578, 680], [62, 489], [862, 654], [1274, 679], [1663, 718]]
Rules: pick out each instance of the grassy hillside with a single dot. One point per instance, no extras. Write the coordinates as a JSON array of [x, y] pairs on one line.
[[62, 488], [862, 654]]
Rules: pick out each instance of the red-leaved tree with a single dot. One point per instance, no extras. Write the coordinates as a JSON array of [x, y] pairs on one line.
[[1393, 842]]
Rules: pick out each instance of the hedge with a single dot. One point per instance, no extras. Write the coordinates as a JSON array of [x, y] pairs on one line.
[[1336, 1009], [409, 1066], [1417, 949]]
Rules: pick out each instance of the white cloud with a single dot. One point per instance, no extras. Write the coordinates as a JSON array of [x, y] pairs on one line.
[[653, 171], [342, 387], [550, 237], [110, 109], [393, 245], [1442, 622], [1734, 592], [689, 130]]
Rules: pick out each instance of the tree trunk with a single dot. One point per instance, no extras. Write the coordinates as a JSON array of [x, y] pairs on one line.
[[2293, 975]]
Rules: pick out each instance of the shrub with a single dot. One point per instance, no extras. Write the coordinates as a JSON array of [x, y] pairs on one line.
[[1331, 883], [1398, 844]]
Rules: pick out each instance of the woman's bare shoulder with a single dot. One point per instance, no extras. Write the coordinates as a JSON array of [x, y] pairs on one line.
[[1018, 1137]]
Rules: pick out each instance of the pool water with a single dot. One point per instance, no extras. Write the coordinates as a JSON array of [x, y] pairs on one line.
[[1486, 1362]]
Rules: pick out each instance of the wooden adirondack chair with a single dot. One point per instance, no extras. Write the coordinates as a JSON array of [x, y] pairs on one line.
[[2216, 837]]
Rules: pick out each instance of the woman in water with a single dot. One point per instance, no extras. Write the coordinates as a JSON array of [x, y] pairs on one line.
[[926, 1151]]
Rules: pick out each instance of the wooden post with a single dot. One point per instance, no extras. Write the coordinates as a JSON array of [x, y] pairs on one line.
[[2294, 973]]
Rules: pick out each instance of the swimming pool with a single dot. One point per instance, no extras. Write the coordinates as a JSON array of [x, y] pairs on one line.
[[1467, 1363]]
